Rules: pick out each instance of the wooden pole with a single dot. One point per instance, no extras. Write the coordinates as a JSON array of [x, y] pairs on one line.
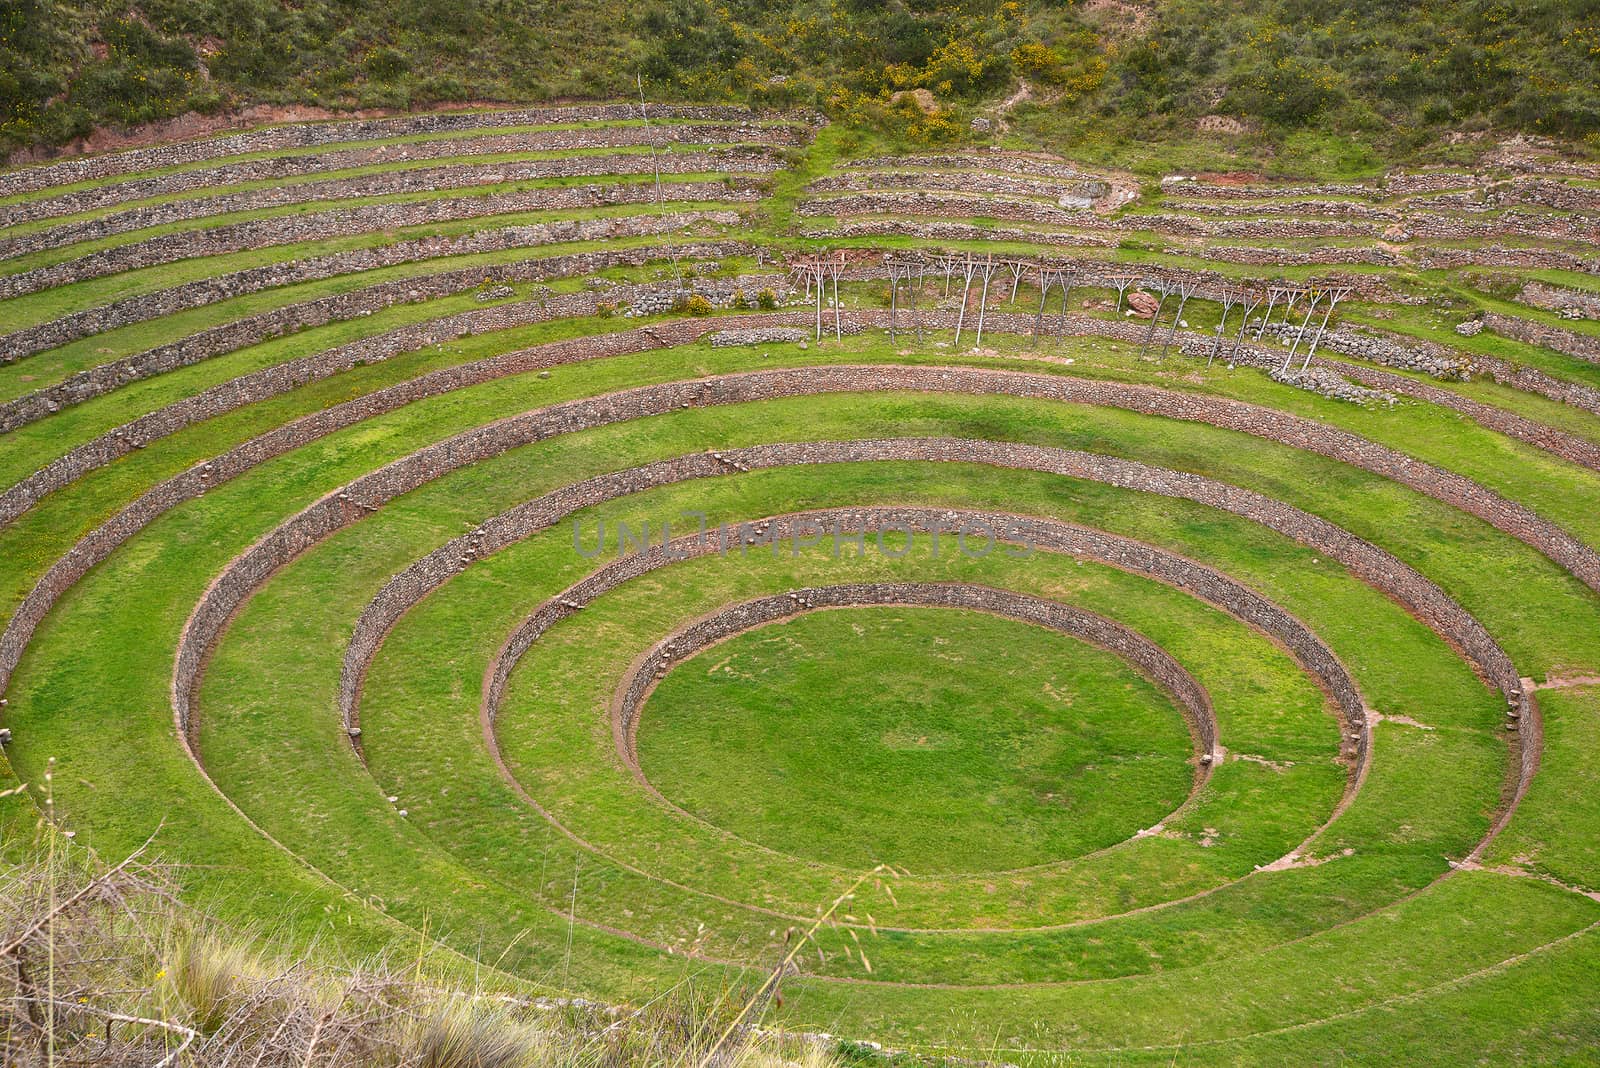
[[894, 290], [983, 300], [966, 292], [916, 316], [838, 327], [1312, 310], [820, 288], [1228, 300], [1150, 333], [1272, 299], [1251, 302], [1044, 293], [1334, 297], [654, 160], [1184, 291]]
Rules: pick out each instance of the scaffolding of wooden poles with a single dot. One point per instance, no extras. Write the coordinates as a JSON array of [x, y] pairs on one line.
[[1332, 295], [813, 273], [1314, 302], [907, 271], [1051, 278]]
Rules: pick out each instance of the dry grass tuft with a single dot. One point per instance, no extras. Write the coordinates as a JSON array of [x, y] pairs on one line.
[[102, 967]]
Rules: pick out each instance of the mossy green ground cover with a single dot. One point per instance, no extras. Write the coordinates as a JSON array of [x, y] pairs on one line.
[[928, 739]]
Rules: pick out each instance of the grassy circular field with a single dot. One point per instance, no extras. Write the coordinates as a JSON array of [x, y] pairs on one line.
[[932, 740]]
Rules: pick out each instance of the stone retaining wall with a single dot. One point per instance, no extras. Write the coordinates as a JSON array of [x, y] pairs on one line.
[[387, 183], [225, 287], [951, 206], [308, 134], [343, 507], [1566, 342], [956, 231], [1288, 257], [277, 168], [295, 373], [1299, 219], [73, 327], [946, 206], [480, 443], [281, 378], [1268, 228], [1373, 565], [1563, 300], [1406, 354], [272, 381], [670, 296], [360, 221], [1550, 193], [1550, 259], [1569, 447], [991, 183], [1327, 208], [772, 335], [1380, 569], [430, 572], [241, 333], [1179, 186], [985, 162], [1404, 183], [1511, 224]]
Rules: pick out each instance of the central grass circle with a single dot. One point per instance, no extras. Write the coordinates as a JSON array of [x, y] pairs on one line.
[[935, 739]]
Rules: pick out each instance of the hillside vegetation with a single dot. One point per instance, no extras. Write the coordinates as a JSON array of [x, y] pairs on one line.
[[1102, 75]]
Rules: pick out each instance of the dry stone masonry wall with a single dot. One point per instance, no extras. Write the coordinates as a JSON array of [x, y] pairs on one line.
[[307, 135], [360, 221], [1564, 301], [1566, 342], [757, 143], [225, 287], [956, 231], [232, 336], [406, 474], [387, 183], [988, 163], [1068, 194]]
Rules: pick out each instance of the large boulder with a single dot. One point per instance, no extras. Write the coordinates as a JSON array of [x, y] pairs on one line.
[[1144, 305]]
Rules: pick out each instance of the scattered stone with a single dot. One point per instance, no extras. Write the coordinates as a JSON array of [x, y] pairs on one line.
[[1331, 384], [1220, 124], [774, 335]]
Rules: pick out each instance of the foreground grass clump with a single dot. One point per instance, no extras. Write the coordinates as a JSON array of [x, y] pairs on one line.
[[103, 966]]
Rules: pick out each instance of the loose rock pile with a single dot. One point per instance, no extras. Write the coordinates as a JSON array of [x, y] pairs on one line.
[[772, 335]]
